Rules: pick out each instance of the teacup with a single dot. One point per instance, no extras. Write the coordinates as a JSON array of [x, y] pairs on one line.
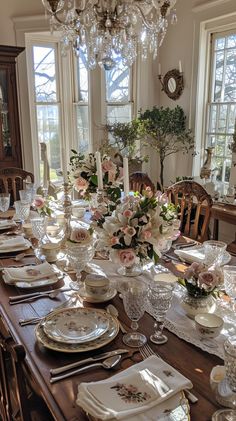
[[50, 251], [96, 285], [208, 325], [78, 211], [27, 229]]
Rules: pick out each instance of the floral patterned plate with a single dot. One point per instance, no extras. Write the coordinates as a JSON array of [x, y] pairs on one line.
[[76, 325], [103, 340]]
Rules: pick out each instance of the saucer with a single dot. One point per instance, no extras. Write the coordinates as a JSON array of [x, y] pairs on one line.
[[111, 293]]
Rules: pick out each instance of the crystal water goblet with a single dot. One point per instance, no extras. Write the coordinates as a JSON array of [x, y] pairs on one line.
[[4, 201], [134, 293], [25, 196], [214, 251], [159, 296], [230, 283], [22, 210], [39, 232], [55, 229], [79, 255]]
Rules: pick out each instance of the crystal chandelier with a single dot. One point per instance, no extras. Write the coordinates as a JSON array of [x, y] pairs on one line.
[[107, 31]]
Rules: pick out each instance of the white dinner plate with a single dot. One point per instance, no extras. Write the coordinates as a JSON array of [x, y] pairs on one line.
[[7, 225], [196, 254], [76, 325], [26, 246], [111, 293]]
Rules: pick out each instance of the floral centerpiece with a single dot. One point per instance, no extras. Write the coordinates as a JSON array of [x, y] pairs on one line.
[[201, 285], [136, 230], [83, 175]]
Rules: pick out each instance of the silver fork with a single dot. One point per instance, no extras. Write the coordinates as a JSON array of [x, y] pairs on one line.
[[146, 351]]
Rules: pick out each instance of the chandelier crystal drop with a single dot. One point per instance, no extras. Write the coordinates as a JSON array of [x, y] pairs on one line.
[[109, 31]]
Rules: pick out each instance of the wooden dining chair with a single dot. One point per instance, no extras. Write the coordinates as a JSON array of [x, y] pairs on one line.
[[12, 180], [19, 398], [195, 208], [138, 181]]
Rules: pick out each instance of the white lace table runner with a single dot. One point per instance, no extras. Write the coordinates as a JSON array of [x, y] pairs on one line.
[[177, 322]]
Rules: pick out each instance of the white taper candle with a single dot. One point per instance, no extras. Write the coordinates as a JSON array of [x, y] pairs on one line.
[[180, 66], [99, 170], [64, 165], [126, 175]]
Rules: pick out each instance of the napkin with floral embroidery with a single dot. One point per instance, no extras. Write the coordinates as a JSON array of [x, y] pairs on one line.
[[29, 273], [135, 391]]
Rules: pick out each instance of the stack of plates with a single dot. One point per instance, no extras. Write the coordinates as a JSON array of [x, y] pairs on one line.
[[77, 329], [6, 224]]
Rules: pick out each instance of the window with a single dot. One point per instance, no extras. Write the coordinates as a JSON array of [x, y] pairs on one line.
[[222, 101], [68, 103]]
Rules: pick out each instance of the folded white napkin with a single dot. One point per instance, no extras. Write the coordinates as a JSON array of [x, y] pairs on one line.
[[6, 223], [12, 243], [29, 273], [133, 393], [192, 255]]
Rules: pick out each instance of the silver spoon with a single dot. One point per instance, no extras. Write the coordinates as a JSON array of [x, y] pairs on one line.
[[107, 364], [51, 295], [112, 310]]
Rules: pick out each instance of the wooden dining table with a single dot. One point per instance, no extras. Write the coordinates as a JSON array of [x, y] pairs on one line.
[[60, 397]]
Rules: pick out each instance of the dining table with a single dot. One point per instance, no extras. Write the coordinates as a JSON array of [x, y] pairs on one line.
[[60, 397]]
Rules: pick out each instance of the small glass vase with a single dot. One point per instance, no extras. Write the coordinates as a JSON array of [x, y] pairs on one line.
[[197, 305], [134, 270]]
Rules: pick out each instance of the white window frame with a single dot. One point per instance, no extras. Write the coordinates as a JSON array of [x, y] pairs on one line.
[[207, 28]]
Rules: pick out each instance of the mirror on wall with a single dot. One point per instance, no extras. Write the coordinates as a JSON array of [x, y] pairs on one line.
[[173, 84]]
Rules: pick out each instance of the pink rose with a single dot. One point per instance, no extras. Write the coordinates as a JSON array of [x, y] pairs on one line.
[[146, 234], [80, 184], [114, 241], [207, 280], [127, 257], [148, 192], [96, 216], [39, 202], [79, 235], [129, 231], [128, 213], [108, 165]]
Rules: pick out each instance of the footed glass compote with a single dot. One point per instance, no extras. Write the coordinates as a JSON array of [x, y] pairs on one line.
[[159, 296], [79, 255], [135, 301]]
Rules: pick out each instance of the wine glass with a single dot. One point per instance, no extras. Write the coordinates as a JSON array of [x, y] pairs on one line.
[[230, 283], [159, 296], [4, 201], [79, 255], [134, 295]]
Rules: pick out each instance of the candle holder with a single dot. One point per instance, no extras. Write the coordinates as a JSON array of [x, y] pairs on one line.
[[67, 205]]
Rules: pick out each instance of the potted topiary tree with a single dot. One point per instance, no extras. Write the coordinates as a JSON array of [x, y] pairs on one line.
[[127, 140], [165, 131]]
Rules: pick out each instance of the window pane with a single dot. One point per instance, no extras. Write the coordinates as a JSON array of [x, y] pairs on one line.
[[231, 41], [230, 77], [82, 128], [44, 74], [49, 133], [219, 64], [222, 118], [117, 84], [232, 117], [120, 113], [213, 119], [220, 43], [82, 75]]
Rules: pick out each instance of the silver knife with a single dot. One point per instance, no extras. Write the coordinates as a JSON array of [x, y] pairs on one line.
[[33, 294], [59, 370]]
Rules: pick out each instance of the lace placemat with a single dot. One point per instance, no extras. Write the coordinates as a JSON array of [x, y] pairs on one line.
[[176, 321]]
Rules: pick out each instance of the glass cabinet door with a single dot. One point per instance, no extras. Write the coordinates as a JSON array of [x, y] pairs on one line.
[[10, 143]]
